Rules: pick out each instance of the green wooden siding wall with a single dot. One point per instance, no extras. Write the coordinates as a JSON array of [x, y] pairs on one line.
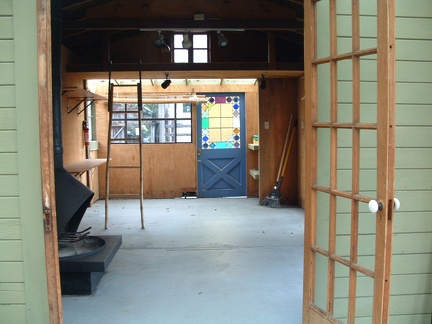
[[12, 289], [411, 293], [23, 292]]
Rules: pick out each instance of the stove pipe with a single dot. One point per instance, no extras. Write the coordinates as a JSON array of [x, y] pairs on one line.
[[72, 196]]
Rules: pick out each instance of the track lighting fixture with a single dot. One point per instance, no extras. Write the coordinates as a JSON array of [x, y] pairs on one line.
[[186, 43], [223, 42], [263, 83], [162, 43], [166, 83]]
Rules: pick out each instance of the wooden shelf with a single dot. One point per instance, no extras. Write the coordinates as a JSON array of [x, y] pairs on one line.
[[253, 147], [79, 167], [80, 95], [254, 173]]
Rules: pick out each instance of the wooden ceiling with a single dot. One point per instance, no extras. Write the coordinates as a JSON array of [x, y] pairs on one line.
[[266, 36]]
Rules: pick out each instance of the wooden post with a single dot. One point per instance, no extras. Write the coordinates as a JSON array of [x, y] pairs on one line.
[[47, 160]]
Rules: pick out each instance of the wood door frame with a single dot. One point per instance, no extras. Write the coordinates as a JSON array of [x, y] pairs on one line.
[[386, 157], [47, 160]]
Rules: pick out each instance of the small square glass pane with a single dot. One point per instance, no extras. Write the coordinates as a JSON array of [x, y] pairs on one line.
[[183, 110], [181, 56], [199, 41], [200, 56], [184, 131], [178, 39]]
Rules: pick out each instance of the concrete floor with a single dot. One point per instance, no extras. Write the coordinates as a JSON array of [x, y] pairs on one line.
[[220, 260]]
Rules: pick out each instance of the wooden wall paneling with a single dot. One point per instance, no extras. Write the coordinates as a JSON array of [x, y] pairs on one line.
[[268, 158], [7, 117], [252, 128], [142, 44], [102, 120], [276, 103], [182, 8], [12, 210], [12, 281], [301, 141], [74, 148], [169, 168]]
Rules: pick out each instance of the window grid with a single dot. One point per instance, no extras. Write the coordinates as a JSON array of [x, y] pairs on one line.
[[197, 53], [160, 123]]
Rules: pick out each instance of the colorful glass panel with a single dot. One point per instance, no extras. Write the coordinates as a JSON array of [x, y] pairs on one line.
[[221, 122]]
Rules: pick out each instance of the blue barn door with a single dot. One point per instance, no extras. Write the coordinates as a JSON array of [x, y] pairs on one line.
[[221, 146]]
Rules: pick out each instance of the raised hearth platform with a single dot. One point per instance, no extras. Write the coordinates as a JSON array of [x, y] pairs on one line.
[[80, 276]]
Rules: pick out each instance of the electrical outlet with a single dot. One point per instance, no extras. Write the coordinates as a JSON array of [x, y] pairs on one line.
[[266, 125], [198, 16]]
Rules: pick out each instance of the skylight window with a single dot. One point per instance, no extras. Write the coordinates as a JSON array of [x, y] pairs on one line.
[[197, 53]]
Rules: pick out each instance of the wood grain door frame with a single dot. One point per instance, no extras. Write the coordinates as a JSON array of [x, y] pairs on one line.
[[385, 130], [47, 160]]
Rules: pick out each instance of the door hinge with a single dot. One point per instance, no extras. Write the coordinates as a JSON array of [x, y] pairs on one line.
[[47, 218]]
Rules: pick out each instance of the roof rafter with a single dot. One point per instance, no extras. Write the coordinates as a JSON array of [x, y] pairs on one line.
[[122, 24]]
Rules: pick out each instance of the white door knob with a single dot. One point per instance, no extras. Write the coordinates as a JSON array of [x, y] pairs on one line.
[[396, 203], [373, 206]]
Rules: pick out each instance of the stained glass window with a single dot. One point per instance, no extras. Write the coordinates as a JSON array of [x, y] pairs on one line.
[[220, 117]]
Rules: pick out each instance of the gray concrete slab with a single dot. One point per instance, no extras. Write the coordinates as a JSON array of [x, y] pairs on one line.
[[220, 260]]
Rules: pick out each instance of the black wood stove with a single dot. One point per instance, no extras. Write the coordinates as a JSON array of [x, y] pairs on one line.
[[83, 258]]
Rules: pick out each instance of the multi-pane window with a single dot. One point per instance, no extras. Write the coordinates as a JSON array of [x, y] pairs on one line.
[[160, 123], [196, 53]]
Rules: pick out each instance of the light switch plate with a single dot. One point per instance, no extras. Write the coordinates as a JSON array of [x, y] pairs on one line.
[[266, 125]]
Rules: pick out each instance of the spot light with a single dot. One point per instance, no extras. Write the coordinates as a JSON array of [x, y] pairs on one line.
[[162, 43], [186, 43], [263, 83], [223, 42], [166, 83]]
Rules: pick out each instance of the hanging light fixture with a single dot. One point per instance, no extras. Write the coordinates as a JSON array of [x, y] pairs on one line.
[[158, 42], [186, 43], [162, 43], [263, 83], [223, 42], [166, 83]]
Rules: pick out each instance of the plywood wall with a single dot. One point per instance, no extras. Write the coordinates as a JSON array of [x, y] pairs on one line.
[[301, 142], [277, 102], [169, 169], [74, 148]]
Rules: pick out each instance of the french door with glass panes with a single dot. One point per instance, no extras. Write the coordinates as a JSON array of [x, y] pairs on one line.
[[350, 157]]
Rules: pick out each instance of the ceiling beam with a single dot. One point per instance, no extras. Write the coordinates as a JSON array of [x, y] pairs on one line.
[[81, 4], [191, 75], [182, 25], [203, 70]]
